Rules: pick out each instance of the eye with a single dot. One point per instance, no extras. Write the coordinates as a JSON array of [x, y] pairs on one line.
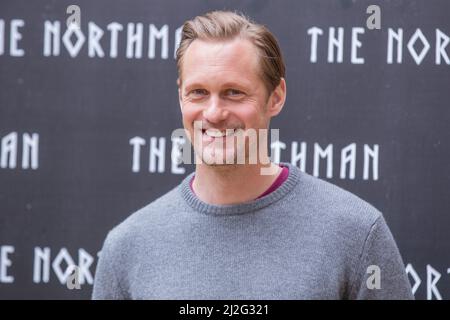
[[234, 93], [197, 93]]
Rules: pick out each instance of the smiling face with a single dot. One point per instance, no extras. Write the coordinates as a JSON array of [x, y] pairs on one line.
[[221, 87]]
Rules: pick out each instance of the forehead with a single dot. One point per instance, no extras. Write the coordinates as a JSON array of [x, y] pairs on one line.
[[218, 62]]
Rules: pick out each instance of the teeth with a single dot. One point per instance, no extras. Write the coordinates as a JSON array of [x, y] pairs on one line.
[[217, 133]]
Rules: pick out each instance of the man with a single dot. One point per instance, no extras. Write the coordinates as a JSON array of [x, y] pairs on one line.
[[245, 230]]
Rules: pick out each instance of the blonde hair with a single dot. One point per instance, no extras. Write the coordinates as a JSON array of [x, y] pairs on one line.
[[227, 25]]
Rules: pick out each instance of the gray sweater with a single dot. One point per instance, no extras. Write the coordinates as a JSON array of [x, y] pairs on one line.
[[308, 239]]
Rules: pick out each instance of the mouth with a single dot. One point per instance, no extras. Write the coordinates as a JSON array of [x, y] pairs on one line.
[[215, 133], [220, 136]]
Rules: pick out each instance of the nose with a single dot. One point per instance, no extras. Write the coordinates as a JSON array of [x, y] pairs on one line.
[[215, 112]]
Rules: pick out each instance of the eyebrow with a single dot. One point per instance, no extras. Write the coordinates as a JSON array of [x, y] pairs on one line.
[[225, 85]]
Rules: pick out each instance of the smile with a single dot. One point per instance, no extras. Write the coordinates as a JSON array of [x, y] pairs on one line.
[[214, 133]]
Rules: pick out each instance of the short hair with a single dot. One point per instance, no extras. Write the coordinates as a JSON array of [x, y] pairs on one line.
[[227, 25]]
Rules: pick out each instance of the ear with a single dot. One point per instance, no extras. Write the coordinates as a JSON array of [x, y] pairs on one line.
[[277, 99]]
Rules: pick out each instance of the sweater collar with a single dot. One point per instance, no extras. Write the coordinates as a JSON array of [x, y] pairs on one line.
[[241, 208]]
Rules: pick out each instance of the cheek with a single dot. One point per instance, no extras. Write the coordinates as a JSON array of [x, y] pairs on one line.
[[251, 115], [189, 115]]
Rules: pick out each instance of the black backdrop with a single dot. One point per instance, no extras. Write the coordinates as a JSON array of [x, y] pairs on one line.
[[86, 132]]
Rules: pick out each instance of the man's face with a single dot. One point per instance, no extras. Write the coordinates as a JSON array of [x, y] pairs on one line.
[[222, 89]]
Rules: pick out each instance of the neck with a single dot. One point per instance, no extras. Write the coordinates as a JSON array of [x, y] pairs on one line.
[[232, 184]]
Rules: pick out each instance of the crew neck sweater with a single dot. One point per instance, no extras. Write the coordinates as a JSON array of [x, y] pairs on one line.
[[282, 176], [308, 239]]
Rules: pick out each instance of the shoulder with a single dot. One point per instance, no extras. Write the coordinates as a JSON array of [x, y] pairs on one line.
[[346, 227], [144, 221], [341, 210], [129, 241]]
